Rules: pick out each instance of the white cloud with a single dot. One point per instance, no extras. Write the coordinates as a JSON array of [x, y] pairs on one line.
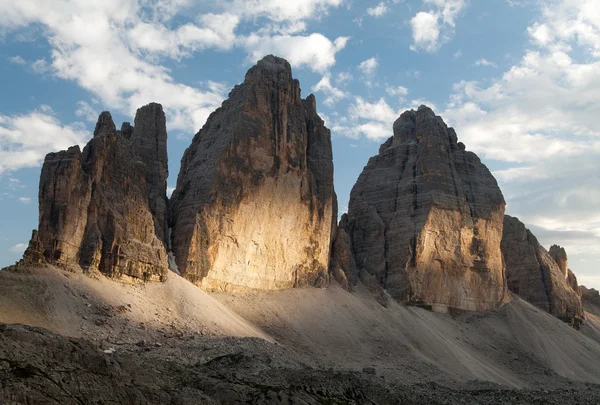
[[485, 62], [283, 28], [375, 131], [45, 108], [378, 10], [18, 248], [212, 31], [278, 10], [24, 200], [40, 66], [533, 111], [12, 184], [540, 116], [102, 61], [400, 91], [17, 60], [314, 51], [377, 111], [373, 120], [426, 31], [343, 77], [566, 23], [431, 29], [457, 54], [415, 104], [449, 9], [332, 94], [26, 139], [369, 66], [118, 58], [84, 110]]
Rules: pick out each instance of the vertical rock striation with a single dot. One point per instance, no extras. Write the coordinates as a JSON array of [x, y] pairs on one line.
[[425, 219], [590, 296], [559, 255], [106, 208], [254, 203], [537, 276], [342, 265]]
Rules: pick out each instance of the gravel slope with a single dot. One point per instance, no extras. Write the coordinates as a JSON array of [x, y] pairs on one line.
[[171, 343]]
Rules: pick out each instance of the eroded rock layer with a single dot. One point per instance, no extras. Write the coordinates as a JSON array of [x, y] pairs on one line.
[[590, 295], [254, 202], [425, 219], [537, 276], [106, 208], [342, 265]]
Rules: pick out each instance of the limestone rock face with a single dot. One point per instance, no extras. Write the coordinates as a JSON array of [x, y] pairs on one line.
[[106, 208], [560, 257], [34, 254], [343, 267], [590, 295], [254, 203], [425, 219], [534, 274]]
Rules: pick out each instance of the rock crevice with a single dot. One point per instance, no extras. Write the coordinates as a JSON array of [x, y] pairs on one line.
[[254, 202], [425, 220], [105, 208], [538, 276]]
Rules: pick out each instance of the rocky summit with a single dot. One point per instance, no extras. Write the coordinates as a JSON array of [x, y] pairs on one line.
[[539, 276], [254, 204], [106, 208], [425, 220], [255, 209]]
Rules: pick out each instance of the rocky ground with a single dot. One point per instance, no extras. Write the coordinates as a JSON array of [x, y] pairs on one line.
[[174, 344], [38, 367]]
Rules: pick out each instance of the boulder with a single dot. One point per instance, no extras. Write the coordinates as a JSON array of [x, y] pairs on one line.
[[425, 219], [254, 205], [534, 274], [105, 208]]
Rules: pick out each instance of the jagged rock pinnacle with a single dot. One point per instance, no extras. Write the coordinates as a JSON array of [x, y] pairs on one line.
[[425, 220], [254, 203]]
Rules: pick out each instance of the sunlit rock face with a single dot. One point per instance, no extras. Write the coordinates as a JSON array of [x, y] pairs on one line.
[[560, 257], [106, 208], [540, 277], [425, 219], [254, 203]]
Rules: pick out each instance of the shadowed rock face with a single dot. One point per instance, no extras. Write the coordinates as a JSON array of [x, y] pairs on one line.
[[537, 276], [106, 208], [425, 219], [343, 267], [254, 203], [590, 295]]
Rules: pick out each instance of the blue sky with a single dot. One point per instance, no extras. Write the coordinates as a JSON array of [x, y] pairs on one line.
[[518, 79]]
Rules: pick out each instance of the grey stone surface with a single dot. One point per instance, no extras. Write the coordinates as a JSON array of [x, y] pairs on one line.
[[254, 205], [534, 275], [106, 208], [425, 219]]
